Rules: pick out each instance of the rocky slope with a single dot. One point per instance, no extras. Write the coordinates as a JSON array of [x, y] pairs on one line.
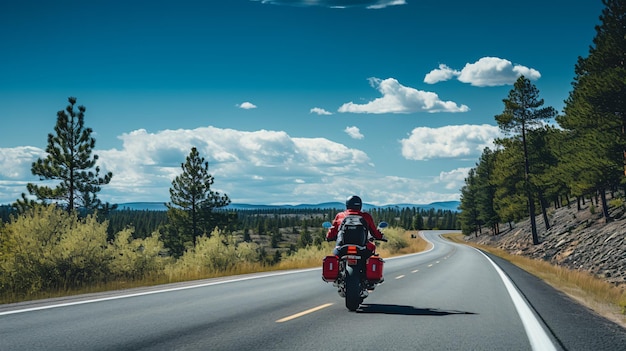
[[579, 240]]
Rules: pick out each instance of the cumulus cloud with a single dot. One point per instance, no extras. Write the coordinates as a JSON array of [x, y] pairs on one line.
[[15, 163], [320, 111], [397, 98], [487, 71], [15, 171], [246, 165], [456, 141], [455, 179], [246, 105], [443, 73], [354, 132], [370, 4], [263, 166]]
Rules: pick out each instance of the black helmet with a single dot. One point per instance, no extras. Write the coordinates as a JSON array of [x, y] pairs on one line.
[[354, 203]]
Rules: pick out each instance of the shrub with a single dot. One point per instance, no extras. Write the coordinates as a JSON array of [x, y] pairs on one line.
[[136, 258], [47, 248], [217, 254], [396, 241]]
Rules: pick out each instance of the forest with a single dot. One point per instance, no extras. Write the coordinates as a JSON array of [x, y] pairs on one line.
[[265, 222], [539, 163]]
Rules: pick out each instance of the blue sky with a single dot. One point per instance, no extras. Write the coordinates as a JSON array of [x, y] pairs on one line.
[[290, 102]]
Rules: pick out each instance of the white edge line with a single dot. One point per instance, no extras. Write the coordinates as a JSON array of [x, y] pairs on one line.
[[539, 339], [117, 297]]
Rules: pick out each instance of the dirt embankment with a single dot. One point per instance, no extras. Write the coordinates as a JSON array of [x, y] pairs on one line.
[[579, 240]]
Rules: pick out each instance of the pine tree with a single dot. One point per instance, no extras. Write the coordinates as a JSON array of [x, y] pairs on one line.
[[523, 112], [486, 191], [510, 198], [469, 217], [418, 221], [70, 161], [190, 211]]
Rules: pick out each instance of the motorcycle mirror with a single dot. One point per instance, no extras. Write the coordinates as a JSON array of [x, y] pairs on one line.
[[326, 225], [383, 225]]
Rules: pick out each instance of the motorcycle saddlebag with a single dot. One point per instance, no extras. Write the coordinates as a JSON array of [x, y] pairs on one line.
[[330, 268], [374, 269]]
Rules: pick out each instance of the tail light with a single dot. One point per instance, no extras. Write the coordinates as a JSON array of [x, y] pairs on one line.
[[352, 255]]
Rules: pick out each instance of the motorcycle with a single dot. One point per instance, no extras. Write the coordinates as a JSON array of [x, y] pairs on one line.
[[353, 271]]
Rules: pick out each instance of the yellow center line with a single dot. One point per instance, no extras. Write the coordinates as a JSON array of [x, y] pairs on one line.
[[297, 315]]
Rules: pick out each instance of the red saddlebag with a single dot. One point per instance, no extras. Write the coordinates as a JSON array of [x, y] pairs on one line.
[[374, 269], [330, 268]]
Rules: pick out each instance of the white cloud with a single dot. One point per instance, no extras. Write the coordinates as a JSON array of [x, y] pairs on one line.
[[487, 71], [454, 141], [354, 132], [397, 98], [263, 166], [320, 111], [15, 171], [382, 4], [442, 74], [257, 167], [246, 105], [15, 163], [455, 179], [370, 4]]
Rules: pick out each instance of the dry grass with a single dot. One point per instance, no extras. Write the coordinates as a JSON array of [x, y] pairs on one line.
[[415, 243], [604, 298], [312, 257]]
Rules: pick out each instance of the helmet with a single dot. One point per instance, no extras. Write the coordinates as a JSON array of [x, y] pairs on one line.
[[354, 203]]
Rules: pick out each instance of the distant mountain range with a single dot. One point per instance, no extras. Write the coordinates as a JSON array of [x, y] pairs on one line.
[[160, 206]]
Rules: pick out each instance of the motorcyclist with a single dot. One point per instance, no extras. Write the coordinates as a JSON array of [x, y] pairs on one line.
[[353, 207]]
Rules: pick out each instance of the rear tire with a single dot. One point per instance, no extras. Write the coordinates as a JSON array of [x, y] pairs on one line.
[[353, 288]]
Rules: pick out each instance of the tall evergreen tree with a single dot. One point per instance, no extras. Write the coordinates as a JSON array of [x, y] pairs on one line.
[[523, 112], [418, 221], [190, 211], [71, 162], [510, 198], [469, 216], [485, 194]]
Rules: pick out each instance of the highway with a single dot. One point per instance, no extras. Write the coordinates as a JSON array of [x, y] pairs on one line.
[[451, 297]]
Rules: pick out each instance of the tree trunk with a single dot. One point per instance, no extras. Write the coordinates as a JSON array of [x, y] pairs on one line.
[[531, 201], [544, 210], [605, 207]]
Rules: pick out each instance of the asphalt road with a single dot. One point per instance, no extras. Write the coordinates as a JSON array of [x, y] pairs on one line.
[[450, 298]]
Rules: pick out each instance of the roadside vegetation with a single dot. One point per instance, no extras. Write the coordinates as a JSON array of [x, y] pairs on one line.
[[48, 252]]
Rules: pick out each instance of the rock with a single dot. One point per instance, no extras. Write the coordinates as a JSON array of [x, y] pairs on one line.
[[577, 240]]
